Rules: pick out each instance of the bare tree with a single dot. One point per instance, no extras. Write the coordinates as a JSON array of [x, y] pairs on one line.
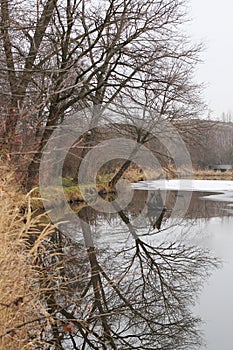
[[79, 53], [19, 79]]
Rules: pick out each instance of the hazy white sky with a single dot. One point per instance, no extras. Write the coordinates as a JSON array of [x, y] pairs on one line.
[[213, 24]]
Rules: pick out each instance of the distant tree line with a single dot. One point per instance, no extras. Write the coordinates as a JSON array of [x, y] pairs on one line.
[[214, 144]]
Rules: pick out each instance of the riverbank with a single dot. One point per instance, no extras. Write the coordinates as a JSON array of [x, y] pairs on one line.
[[73, 192], [76, 194]]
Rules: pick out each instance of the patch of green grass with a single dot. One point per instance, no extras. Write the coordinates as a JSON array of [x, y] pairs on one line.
[[68, 182]]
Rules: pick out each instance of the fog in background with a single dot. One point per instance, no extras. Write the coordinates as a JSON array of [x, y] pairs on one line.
[[212, 24]]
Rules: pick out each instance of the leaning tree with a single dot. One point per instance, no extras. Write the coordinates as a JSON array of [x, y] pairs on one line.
[[58, 57]]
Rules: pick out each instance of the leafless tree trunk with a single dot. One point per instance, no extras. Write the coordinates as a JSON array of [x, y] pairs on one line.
[[75, 54]]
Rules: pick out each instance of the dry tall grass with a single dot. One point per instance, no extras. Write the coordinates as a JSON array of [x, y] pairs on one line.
[[213, 175], [21, 310]]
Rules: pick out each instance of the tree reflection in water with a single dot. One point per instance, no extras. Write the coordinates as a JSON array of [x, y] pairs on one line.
[[134, 297]]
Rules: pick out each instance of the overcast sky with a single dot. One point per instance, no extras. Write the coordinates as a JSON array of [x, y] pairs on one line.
[[213, 23]]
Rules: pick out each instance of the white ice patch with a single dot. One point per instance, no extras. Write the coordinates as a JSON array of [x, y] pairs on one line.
[[222, 189]]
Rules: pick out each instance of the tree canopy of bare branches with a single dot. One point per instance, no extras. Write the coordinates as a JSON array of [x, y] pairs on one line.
[[60, 56]]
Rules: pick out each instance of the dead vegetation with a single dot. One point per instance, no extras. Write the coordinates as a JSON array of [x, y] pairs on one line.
[[22, 234]]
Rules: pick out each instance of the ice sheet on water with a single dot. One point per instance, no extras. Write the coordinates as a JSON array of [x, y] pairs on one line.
[[222, 189]]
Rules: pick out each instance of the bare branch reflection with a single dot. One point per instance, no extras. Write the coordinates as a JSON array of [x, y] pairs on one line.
[[134, 297]]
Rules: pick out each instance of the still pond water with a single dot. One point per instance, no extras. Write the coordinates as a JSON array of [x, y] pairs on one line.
[[215, 224], [205, 210]]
